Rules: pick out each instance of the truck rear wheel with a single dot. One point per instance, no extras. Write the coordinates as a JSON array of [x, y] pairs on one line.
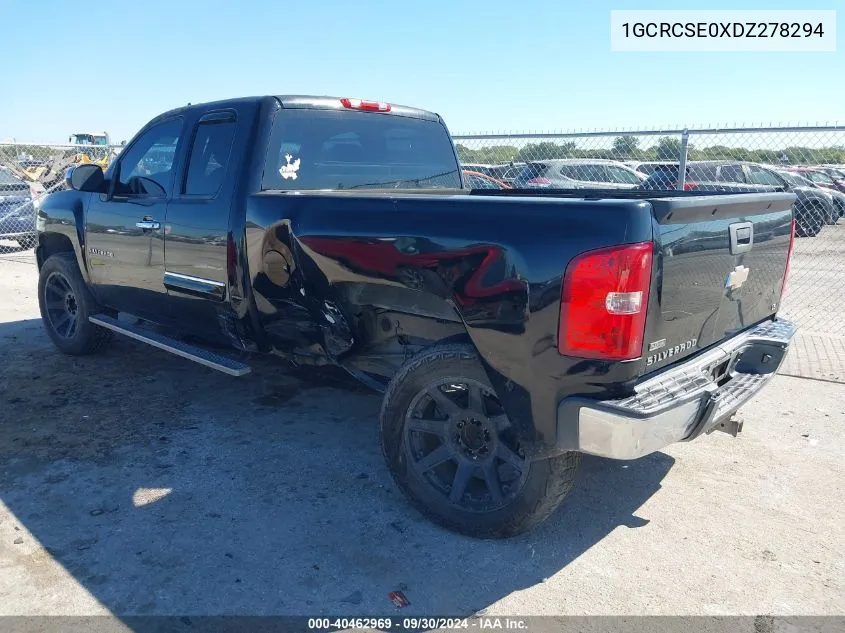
[[452, 450], [66, 303]]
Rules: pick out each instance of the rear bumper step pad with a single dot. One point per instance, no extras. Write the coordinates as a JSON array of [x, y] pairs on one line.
[[680, 403]]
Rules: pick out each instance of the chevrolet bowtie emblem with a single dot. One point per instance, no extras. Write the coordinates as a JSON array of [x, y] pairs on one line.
[[737, 277]]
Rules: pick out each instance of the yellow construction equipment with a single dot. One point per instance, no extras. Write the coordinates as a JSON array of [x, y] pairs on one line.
[[96, 148], [49, 171]]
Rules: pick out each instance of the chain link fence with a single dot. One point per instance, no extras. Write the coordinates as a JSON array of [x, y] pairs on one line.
[[809, 161], [27, 173]]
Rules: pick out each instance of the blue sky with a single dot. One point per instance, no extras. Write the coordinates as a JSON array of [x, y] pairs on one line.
[[485, 66]]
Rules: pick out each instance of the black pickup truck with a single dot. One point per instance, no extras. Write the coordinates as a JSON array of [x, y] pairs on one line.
[[510, 331]]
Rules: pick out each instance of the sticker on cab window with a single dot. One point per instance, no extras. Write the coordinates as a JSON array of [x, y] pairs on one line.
[[289, 170]]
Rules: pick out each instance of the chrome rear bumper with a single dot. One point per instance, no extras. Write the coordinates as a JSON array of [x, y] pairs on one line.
[[681, 403]]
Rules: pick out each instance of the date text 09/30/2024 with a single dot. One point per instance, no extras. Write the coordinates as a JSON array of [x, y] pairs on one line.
[[418, 623]]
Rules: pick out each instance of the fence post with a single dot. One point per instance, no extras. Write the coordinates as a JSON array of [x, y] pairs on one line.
[[682, 160]]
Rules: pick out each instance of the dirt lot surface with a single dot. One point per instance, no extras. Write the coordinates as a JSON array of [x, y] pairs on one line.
[[134, 482]]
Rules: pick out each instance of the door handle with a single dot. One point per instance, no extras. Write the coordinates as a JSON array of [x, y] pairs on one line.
[[742, 237], [148, 225]]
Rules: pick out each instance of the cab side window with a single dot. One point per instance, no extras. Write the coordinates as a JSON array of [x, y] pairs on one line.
[[209, 157], [759, 176], [731, 173], [589, 172], [146, 167], [619, 175]]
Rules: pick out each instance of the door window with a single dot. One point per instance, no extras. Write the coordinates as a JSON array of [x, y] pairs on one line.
[[701, 172], [146, 167], [760, 176], [819, 177], [477, 182], [623, 176], [209, 157], [731, 173], [586, 172]]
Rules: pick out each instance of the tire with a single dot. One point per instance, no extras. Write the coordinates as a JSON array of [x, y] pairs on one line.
[[832, 216], [66, 303], [433, 443], [809, 220]]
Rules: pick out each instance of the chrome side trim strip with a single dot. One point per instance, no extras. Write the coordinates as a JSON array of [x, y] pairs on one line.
[[198, 286], [210, 282]]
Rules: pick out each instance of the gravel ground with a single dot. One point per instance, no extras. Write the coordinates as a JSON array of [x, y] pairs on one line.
[[814, 299], [134, 482], [816, 287]]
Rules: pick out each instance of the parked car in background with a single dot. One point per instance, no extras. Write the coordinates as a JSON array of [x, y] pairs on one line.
[[512, 172], [493, 171], [646, 168], [813, 207], [30, 163], [837, 172], [477, 180], [708, 176], [505, 172], [795, 181], [820, 177], [577, 173], [17, 213]]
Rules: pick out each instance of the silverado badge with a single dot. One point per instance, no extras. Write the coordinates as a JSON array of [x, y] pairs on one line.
[[669, 352], [100, 251]]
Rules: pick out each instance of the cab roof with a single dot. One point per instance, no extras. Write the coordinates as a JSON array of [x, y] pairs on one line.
[[303, 101]]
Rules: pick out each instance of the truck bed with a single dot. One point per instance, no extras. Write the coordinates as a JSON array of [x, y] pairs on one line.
[[493, 266]]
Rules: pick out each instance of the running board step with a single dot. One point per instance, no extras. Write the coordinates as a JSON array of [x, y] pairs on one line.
[[185, 350]]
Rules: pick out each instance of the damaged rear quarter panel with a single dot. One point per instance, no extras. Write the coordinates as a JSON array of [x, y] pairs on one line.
[[355, 272]]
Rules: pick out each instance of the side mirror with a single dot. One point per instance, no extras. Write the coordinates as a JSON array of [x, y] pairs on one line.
[[88, 177]]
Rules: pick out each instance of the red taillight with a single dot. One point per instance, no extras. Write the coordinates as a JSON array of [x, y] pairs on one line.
[[539, 180], [788, 258], [360, 104], [604, 302], [689, 186]]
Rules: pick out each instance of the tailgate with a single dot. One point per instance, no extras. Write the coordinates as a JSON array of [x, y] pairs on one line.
[[719, 269]]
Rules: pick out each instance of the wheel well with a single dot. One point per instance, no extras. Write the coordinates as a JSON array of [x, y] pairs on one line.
[[51, 243], [392, 339]]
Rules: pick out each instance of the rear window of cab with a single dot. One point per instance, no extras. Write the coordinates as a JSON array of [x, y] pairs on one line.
[[327, 149]]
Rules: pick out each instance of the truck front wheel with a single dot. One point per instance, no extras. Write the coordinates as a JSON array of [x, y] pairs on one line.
[[451, 449], [66, 303]]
